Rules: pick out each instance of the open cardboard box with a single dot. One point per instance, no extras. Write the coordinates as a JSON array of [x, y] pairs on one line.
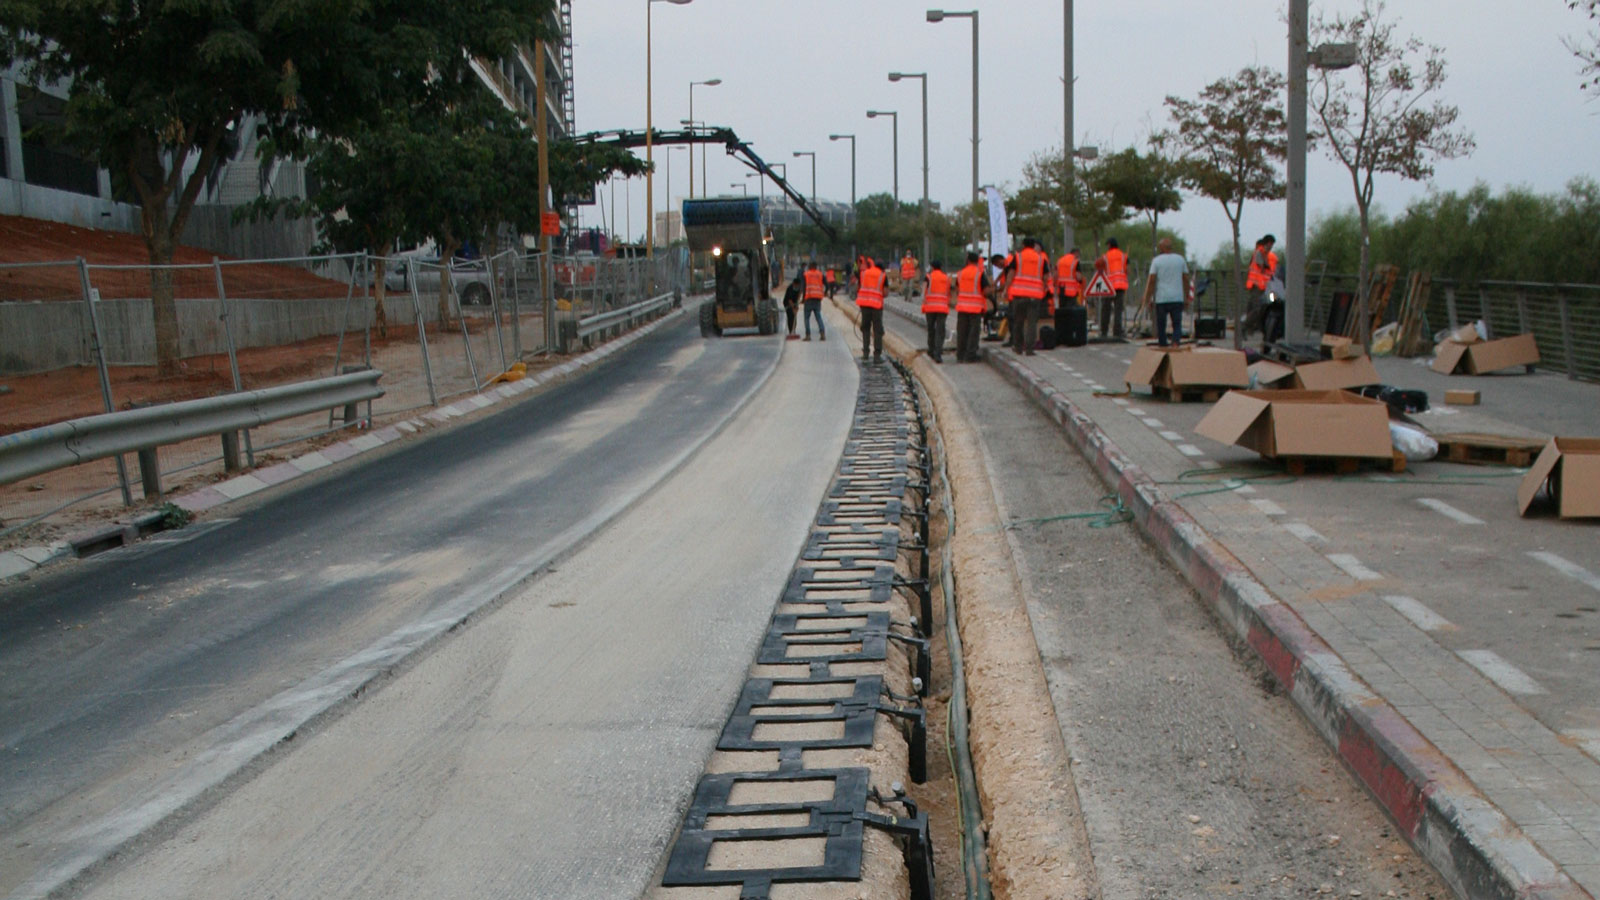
[[1571, 466], [1454, 358], [1301, 423], [1340, 347], [1328, 375], [1178, 368]]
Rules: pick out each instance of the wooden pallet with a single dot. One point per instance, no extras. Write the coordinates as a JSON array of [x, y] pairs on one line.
[[1340, 465], [1488, 449], [1188, 393]]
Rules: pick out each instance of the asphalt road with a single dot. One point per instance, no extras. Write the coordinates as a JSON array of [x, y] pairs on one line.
[[139, 682], [1195, 778]]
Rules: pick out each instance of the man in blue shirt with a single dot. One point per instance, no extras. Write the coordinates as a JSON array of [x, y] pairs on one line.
[[1168, 285]]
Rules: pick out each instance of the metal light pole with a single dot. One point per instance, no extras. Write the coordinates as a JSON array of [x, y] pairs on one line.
[[649, 124], [939, 15], [852, 139], [895, 116], [743, 186], [1066, 111], [762, 187], [668, 204], [710, 82], [813, 155], [923, 77]]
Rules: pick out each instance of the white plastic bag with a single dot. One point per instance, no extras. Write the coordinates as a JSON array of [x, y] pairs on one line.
[[1414, 444]]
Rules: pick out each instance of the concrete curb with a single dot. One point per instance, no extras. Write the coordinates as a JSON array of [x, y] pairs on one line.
[[1474, 847], [26, 559]]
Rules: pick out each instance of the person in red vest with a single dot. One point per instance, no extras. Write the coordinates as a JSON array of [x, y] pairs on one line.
[[813, 301], [1116, 265], [972, 286], [1069, 281], [908, 274], [1025, 277], [936, 308], [831, 280], [1263, 262], [869, 300]]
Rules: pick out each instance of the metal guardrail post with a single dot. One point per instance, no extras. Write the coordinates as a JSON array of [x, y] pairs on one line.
[[1483, 312], [150, 473], [422, 330], [1522, 312], [230, 462], [105, 374], [1450, 307], [1566, 336]]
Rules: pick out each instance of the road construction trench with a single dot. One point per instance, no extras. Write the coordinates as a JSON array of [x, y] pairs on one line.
[[786, 808]]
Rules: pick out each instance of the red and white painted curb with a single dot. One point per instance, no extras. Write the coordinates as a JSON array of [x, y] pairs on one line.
[[24, 559], [1478, 851]]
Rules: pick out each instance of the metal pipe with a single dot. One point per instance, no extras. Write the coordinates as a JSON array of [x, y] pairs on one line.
[[105, 374]]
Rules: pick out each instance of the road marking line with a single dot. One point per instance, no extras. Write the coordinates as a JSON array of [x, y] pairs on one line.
[[1172, 435], [1353, 567], [1567, 567], [1497, 670], [1449, 512], [1268, 507], [1121, 402], [1190, 450], [1153, 422], [1247, 489], [1420, 615], [1306, 533], [1209, 464], [1587, 739]]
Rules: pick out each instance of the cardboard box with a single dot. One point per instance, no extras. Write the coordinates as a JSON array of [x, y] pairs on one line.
[[1328, 375], [1455, 358], [1188, 367], [1571, 466], [1462, 398], [1301, 423], [1339, 347]]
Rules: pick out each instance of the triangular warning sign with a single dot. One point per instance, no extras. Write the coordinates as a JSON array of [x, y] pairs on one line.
[[1099, 286]]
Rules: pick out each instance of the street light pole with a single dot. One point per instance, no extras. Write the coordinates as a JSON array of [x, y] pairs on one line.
[[710, 82], [813, 155], [1294, 266], [939, 15], [852, 139], [894, 117], [649, 124], [1066, 112], [923, 77]]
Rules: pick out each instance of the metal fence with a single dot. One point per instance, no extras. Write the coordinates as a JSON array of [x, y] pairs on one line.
[[78, 339]]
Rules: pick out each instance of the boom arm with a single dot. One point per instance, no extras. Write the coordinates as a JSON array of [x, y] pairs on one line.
[[736, 148]]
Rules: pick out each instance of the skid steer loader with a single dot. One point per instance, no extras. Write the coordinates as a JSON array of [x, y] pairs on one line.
[[730, 230]]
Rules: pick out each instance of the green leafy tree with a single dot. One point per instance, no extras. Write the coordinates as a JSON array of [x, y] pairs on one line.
[[1052, 190], [1146, 183], [1232, 138], [158, 90], [1382, 115]]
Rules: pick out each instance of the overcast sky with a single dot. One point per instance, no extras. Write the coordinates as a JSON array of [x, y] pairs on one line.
[[794, 71]]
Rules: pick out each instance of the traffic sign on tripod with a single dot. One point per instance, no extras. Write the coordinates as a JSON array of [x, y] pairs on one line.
[[1099, 287]]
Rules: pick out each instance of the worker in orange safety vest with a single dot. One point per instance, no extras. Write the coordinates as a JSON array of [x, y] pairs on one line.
[[972, 286], [1116, 267], [936, 308], [908, 274], [1263, 263], [869, 301], [1025, 276], [816, 286]]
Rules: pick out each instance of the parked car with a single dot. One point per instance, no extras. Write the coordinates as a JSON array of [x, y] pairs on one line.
[[469, 276]]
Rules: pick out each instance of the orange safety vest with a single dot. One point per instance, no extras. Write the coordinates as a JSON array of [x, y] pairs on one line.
[[813, 285], [1028, 282], [1117, 269], [937, 299], [1260, 274], [969, 291], [1272, 264], [832, 276], [1068, 281], [908, 267], [870, 295]]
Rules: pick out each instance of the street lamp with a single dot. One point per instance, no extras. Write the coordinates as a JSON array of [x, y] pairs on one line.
[[743, 186], [852, 139], [939, 15], [762, 187], [649, 125], [813, 155], [895, 116], [710, 82], [923, 77], [668, 173]]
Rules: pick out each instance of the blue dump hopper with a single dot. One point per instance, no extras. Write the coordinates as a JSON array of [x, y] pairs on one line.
[[732, 223]]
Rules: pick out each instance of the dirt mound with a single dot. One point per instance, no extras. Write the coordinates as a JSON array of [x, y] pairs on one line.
[[24, 240]]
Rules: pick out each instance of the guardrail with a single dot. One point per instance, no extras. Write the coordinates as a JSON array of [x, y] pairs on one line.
[[38, 450], [622, 316]]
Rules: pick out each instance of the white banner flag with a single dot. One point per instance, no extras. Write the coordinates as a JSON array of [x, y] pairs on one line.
[[999, 237]]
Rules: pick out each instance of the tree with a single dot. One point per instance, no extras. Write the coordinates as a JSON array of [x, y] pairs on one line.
[[1587, 50], [1053, 189], [1143, 182], [1231, 139], [158, 90], [1382, 117]]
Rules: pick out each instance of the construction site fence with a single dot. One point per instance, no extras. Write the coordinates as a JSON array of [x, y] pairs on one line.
[[80, 339]]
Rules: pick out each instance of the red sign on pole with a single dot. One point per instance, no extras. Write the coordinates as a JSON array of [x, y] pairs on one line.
[[550, 224]]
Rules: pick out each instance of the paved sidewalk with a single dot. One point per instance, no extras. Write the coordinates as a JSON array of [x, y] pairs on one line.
[[1483, 766]]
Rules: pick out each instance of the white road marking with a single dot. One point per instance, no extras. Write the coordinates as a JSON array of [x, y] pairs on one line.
[[1353, 567], [1209, 464], [1172, 435], [1588, 739], [1306, 533], [1420, 615], [1567, 567], [1247, 489], [1449, 512], [1190, 450], [1121, 402], [1268, 507], [1497, 670], [1153, 422]]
